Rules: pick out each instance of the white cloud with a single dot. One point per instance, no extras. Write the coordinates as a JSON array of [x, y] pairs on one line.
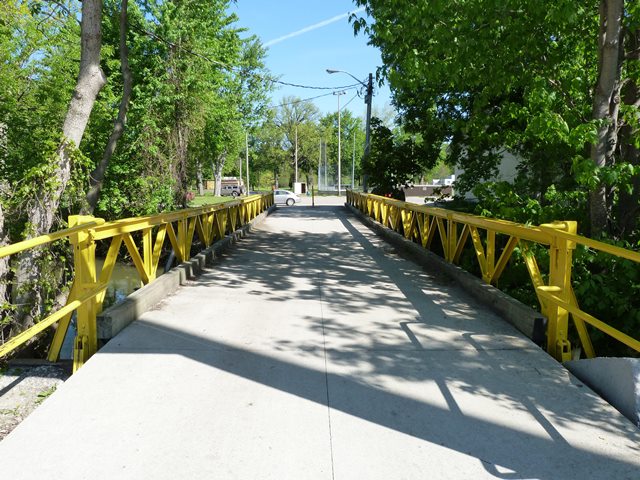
[[310, 28]]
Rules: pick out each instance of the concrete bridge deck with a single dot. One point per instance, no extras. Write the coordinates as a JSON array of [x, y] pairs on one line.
[[313, 351]]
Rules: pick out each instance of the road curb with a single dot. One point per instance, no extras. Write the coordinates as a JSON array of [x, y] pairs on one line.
[[527, 320], [114, 319]]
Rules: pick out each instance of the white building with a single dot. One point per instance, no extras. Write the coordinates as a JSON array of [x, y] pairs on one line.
[[507, 172]]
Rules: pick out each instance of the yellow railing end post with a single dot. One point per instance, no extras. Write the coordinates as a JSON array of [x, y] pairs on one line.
[[84, 254], [560, 263]]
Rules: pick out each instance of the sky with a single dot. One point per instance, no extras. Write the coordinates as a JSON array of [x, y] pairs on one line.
[[303, 39]]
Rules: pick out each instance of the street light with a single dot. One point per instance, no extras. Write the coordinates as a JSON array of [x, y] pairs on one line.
[[339, 157], [331, 70], [367, 101]]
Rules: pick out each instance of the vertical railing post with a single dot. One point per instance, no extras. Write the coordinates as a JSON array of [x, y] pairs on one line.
[[491, 255], [84, 259], [147, 253], [452, 238], [560, 263], [182, 239]]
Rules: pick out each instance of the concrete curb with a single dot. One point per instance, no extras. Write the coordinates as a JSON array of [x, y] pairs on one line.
[[617, 380], [528, 321], [114, 319]]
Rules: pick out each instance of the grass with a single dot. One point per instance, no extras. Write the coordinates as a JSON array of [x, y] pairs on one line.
[[44, 394], [209, 199]]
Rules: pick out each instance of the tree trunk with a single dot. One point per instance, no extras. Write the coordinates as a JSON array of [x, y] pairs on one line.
[[629, 202], [4, 239], [217, 166], [4, 262], [182, 133], [199, 178], [4, 272], [180, 129], [97, 176], [606, 103], [41, 211], [5, 329]]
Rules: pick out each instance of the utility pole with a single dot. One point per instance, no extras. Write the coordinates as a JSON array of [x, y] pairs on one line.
[[246, 143], [367, 101], [353, 162], [326, 165], [296, 153], [367, 140], [339, 152], [319, 164]]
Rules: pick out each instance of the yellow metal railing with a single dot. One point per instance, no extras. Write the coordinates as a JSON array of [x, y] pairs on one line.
[[210, 223], [557, 300]]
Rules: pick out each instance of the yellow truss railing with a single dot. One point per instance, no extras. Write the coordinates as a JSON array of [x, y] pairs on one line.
[[420, 224], [210, 223]]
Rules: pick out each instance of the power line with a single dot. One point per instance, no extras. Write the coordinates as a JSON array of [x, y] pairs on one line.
[[314, 87], [236, 68], [311, 98], [351, 100]]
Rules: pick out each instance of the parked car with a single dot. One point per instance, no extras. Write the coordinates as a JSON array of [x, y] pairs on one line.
[[233, 190], [285, 196]]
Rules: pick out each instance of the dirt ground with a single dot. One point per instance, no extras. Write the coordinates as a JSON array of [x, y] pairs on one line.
[[23, 388]]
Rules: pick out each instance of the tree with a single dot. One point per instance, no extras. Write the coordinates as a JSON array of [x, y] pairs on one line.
[[97, 175], [223, 135], [297, 122], [266, 143], [352, 141], [185, 60], [518, 76], [196, 84], [394, 160], [246, 95], [44, 178], [90, 81], [612, 36], [37, 76], [629, 199]]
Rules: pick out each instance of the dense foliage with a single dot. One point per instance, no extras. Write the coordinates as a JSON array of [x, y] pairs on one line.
[[489, 76], [198, 82], [395, 160]]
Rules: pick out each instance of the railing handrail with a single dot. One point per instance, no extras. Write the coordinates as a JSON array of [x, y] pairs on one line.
[[87, 293], [133, 224], [527, 232], [537, 234], [99, 225], [40, 240], [601, 246], [557, 299]]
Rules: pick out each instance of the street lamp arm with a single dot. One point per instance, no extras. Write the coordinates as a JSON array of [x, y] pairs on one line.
[[330, 70]]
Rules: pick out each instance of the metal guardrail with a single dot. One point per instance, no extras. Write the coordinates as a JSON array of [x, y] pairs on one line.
[[209, 222], [557, 299]]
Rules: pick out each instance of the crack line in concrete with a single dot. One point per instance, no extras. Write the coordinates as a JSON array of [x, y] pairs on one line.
[[326, 370]]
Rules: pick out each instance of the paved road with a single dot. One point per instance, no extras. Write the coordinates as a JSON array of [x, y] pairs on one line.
[[313, 351]]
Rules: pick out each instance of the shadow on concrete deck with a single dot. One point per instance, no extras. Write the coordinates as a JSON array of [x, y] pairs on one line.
[[433, 335]]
